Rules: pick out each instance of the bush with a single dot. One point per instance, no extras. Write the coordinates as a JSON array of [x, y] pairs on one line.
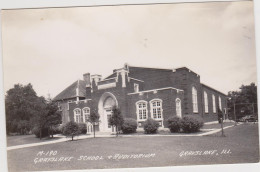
[[191, 124], [55, 129], [174, 124], [71, 129], [129, 126], [82, 128], [36, 131], [61, 128], [150, 126]]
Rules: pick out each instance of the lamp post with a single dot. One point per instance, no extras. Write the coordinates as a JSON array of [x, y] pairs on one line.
[[234, 104]]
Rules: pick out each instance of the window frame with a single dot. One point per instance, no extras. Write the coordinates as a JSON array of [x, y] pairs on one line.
[[176, 100], [136, 86], [70, 101], [214, 104], [142, 110], [219, 103], [151, 109], [75, 115], [206, 102], [86, 115], [194, 93]]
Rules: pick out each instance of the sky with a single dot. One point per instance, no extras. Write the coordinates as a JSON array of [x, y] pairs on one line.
[[53, 47]]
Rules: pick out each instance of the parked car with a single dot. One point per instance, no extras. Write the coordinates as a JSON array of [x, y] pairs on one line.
[[249, 118]]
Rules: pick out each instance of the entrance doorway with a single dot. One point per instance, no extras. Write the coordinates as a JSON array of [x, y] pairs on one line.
[[105, 105]]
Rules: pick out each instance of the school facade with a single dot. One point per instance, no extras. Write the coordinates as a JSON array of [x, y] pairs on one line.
[[140, 93]]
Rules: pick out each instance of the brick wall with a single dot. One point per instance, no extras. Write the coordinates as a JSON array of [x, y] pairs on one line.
[[168, 98], [211, 116]]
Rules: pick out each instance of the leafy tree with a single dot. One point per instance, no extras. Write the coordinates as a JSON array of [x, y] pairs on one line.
[[25, 111], [21, 104], [116, 119], [71, 129], [245, 101], [48, 117], [94, 120]]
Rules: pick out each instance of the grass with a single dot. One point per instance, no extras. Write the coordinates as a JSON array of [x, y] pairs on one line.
[[242, 141], [26, 139]]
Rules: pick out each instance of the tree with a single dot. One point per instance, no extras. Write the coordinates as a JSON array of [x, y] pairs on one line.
[[47, 118], [53, 116], [94, 120], [243, 101], [21, 104], [116, 119], [71, 129]]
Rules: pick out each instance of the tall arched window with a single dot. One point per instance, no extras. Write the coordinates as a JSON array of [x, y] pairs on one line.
[[178, 107], [141, 110], [194, 100], [86, 114], [219, 102], [78, 116], [206, 102], [156, 108], [214, 103]]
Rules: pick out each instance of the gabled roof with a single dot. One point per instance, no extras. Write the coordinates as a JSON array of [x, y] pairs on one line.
[[138, 69], [70, 91]]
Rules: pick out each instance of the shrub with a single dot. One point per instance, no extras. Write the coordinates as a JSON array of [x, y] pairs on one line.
[[191, 124], [82, 128], [71, 129], [174, 124], [55, 129], [36, 131], [129, 126], [61, 128], [150, 126]]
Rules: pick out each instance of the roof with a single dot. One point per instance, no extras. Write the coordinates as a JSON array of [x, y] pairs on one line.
[[70, 91], [136, 68], [204, 85]]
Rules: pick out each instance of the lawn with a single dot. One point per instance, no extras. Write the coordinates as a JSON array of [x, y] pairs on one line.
[[26, 139], [240, 146]]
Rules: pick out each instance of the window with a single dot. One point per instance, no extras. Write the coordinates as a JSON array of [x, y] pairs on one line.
[[136, 87], [214, 103], [86, 114], [156, 109], [219, 102], [70, 101], [141, 107], [194, 100], [206, 103], [78, 117], [178, 107]]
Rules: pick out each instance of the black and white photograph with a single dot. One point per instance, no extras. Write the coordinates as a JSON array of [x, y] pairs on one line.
[[130, 86]]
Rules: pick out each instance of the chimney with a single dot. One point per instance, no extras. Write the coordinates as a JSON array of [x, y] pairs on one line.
[[86, 78]]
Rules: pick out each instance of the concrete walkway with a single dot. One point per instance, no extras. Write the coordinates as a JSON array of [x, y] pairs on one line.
[[64, 139]]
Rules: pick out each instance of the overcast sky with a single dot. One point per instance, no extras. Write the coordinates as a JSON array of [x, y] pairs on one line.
[[52, 48]]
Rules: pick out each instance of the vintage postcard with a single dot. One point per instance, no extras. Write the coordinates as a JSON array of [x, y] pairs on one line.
[[130, 86]]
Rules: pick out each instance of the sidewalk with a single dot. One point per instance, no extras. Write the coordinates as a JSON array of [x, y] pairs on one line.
[[62, 139]]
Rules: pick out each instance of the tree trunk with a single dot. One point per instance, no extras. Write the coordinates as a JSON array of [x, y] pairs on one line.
[[40, 133], [116, 131], [51, 131], [72, 137], [94, 128]]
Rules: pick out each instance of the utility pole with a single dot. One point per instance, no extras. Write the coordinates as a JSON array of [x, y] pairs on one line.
[[235, 113]]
